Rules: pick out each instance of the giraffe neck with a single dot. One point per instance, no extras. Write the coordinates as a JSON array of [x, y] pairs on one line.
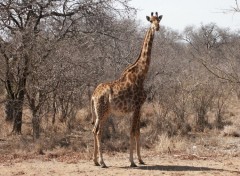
[[140, 68], [145, 55]]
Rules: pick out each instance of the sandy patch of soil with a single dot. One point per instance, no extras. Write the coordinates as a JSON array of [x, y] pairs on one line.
[[118, 165]]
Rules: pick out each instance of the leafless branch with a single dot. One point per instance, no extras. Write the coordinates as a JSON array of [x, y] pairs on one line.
[[218, 73]]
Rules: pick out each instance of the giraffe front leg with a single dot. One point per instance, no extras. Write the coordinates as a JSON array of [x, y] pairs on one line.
[[131, 150], [132, 135], [136, 122], [138, 144]]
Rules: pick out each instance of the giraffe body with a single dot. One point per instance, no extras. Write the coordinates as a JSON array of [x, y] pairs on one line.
[[124, 96]]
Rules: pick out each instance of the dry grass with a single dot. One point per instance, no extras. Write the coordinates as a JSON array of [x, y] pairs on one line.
[[166, 144], [58, 140], [231, 130]]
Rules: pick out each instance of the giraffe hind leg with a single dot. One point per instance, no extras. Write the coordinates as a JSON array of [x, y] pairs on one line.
[[95, 122], [95, 151], [101, 112], [137, 138], [99, 144], [96, 127]]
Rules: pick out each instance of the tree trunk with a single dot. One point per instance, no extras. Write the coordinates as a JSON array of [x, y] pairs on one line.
[[36, 125], [218, 121], [54, 106], [13, 111], [201, 121], [17, 123], [9, 110], [18, 108]]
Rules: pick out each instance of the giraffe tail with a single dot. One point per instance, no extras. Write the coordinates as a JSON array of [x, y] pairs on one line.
[[93, 112]]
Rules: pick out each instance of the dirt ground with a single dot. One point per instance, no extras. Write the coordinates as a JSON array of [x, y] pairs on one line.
[[118, 164]]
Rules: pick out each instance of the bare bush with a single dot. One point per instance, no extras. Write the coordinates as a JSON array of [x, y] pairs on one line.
[[202, 101]]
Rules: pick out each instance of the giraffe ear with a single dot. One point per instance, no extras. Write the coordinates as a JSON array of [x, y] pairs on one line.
[[160, 17], [148, 18]]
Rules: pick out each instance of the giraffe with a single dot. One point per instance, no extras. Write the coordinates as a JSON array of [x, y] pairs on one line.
[[123, 96]]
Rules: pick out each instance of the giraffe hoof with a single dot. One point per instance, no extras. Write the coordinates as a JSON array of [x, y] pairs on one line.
[[133, 165], [141, 162], [104, 166], [96, 164]]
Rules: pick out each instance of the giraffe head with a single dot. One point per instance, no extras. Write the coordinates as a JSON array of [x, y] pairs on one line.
[[154, 20]]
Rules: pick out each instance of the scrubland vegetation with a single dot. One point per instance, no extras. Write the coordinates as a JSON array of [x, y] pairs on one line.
[[54, 53]]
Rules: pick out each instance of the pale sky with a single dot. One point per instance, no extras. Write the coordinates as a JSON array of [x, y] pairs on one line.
[[177, 14]]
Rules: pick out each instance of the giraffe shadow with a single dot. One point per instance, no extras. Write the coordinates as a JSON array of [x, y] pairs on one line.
[[181, 168], [176, 168]]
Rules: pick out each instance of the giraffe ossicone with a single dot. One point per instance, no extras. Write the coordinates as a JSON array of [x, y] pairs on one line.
[[124, 96]]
